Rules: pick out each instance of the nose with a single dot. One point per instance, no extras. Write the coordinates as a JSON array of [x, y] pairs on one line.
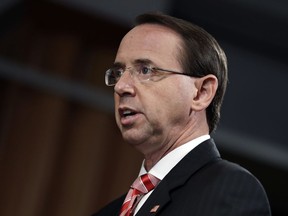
[[125, 85]]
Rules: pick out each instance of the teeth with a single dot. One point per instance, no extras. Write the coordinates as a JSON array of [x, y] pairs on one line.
[[127, 113]]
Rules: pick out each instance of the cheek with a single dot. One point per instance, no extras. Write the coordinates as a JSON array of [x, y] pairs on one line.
[[116, 104], [174, 99], [163, 105]]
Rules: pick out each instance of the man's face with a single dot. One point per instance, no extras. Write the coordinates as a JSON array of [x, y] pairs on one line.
[[152, 114]]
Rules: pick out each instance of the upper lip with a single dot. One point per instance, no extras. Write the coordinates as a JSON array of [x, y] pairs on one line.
[[126, 110]]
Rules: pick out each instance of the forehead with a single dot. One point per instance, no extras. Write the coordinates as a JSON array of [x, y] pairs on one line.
[[157, 43]]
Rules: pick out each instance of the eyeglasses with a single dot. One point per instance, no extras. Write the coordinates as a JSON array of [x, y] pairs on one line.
[[143, 73]]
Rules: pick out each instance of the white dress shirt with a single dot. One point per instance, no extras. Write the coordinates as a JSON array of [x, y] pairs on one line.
[[163, 166]]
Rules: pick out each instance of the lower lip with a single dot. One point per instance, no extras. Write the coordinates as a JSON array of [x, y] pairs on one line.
[[129, 120]]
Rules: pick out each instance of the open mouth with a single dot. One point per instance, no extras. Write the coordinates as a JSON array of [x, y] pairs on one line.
[[127, 113], [128, 117]]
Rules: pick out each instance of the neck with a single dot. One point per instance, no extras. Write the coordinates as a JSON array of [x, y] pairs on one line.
[[175, 138], [153, 158]]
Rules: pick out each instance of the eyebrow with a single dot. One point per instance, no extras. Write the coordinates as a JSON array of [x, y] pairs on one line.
[[135, 62], [118, 65], [143, 61]]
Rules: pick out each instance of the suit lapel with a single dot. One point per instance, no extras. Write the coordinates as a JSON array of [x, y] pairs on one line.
[[203, 154]]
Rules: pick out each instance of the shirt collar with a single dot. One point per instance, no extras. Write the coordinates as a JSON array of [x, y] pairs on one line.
[[163, 166]]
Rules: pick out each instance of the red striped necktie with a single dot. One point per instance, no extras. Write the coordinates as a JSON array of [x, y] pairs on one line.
[[142, 185]]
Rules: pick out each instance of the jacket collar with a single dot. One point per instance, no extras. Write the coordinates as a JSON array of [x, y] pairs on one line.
[[203, 154]]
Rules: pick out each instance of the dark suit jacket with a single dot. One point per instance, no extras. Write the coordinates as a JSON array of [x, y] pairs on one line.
[[203, 184]]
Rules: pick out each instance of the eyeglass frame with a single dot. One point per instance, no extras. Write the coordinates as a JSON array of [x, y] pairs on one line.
[[150, 68]]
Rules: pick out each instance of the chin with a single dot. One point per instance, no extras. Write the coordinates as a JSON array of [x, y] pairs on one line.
[[133, 139]]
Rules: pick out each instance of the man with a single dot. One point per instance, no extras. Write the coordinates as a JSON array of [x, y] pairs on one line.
[[169, 79]]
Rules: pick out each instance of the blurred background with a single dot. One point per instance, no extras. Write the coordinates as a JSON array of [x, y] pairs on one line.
[[60, 150]]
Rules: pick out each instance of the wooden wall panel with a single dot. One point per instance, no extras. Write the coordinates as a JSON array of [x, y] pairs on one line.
[[59, 156], [29, 149]]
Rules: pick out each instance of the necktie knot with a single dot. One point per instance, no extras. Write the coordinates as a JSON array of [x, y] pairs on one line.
[[145, 183], [142, 185]]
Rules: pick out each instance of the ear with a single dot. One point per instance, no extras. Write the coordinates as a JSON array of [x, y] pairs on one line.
[[206, 88]]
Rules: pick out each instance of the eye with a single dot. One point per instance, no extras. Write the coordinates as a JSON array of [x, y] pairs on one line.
[[117, 72], [145, 70]]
